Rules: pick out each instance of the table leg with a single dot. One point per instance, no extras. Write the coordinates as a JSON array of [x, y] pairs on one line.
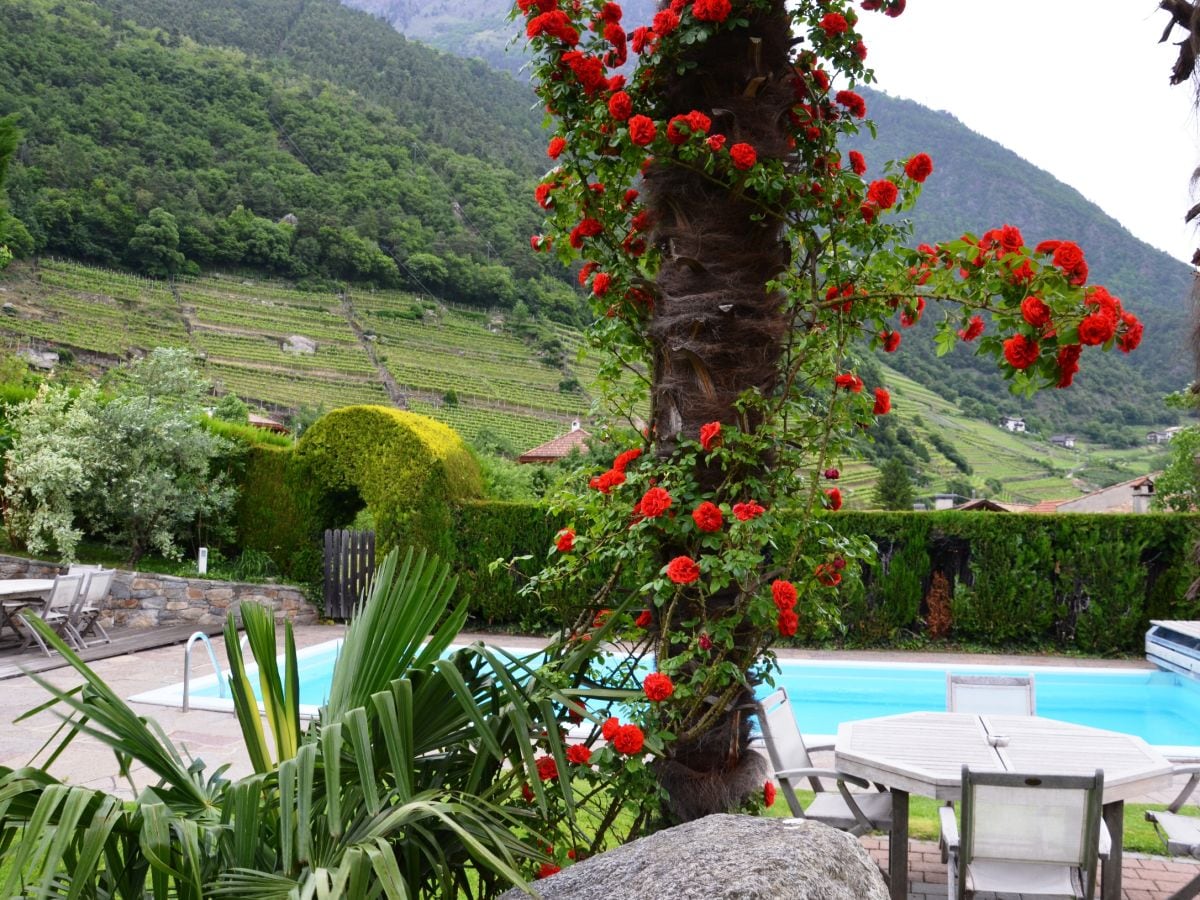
[[1110, 869], [898, 847]]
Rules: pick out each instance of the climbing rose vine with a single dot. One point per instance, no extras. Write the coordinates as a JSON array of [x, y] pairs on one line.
[[740, 263]]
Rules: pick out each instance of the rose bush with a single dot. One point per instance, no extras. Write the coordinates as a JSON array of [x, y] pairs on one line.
[[738, 267]]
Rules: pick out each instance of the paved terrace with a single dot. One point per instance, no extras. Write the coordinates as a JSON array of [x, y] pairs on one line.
[[216, 738]]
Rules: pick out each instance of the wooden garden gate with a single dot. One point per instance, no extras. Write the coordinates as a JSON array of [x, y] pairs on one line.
[[349, 565]]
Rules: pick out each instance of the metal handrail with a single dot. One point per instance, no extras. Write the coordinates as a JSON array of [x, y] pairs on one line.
[[187, 665]]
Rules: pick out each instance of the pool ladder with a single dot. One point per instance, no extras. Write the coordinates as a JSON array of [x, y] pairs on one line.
[[187, 664]]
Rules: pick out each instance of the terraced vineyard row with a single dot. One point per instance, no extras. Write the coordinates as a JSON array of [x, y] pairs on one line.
[[521, 432], [293, 390]]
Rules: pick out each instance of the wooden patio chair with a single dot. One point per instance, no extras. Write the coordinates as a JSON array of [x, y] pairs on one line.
[[855, 812], [55, 612], [1180, 834], [998, 695], [1025, 834], [85, 618]]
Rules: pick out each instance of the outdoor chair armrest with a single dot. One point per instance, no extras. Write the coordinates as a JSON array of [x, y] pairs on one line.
[[1105, 841], [1194, 772], [949, 827], [822, 773]]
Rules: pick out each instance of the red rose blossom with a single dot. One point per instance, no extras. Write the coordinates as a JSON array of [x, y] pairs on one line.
[[973, 330], [620, 107], [711, 10], [1096, 328], [556, 146], [565, 541], [783, 594], [545, 870], [1021, 351], [683, 570], [642, 130], [665, 22], [828, 575], [1035, 311], [768, 793], [579, 754], [834, 501], [1068, 364], [858, 163], [547, 768], [1132, 335], [883, 402], [744, 512], [624, 459], [744, 156], [919, 167], [609, 729], [601, 284], [833, 23], [629, 740], [849, 381], [654, 503], [704, 642], [657, 686], [832, 474], [890, 340], [710, 435], [854, 103], [707, 517], [882, 193], [644, 619], [786, 623]]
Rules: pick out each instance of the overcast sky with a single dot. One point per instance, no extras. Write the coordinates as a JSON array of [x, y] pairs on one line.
[[1077, 87]]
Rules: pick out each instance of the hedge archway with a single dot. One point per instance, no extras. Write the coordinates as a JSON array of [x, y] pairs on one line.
[[407, 469]]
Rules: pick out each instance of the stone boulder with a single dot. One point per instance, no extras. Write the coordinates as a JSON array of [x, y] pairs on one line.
[[724, 857], [298, 343]]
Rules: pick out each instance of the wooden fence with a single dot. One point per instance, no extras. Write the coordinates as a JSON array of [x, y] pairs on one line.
[[349, 565]]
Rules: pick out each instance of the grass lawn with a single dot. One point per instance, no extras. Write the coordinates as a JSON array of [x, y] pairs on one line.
[[923, 821]]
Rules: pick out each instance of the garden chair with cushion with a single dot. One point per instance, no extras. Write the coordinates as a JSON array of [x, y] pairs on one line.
[[1026, 834], [56, 612], [999, 695], [1181, 834], [85, 619], [856, 812]]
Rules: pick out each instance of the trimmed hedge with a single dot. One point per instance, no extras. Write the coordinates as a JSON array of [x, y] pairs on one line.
[[1087, 583]]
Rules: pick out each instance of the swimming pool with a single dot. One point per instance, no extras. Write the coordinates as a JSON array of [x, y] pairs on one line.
[[1162, 707]]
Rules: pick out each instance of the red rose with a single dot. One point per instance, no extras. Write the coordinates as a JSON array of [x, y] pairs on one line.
[[890, 340], [610, 727], [973, 330], [606, 482], [1021, 351], [552, 22], [786, 623], [834, 496], [545, 870], [1067, 256], [657, 686], [710, 434], [769, 793], [556, 146], [547, 768], [579, 754], [919, 167], [828, 575], [744, 512], [644, 619], [642, 130], [620, 107], [1011, 239], [711, 10], [854, 103], [883, 402], [629, 740], [654, 503], [601, 284], [698, 122], [624, 459], [716, 142], [705, 642], [1035, 311], [1068, 364], [665, 22], [783, 594], [849, 381], [708, 517], [1132, 335], [527, 793], [1096, 328], [860, 50], [744, 156], [882, 193], [683, 570], [833, 23], [542, 195], [832, 474], [565, 542], [858, 163]]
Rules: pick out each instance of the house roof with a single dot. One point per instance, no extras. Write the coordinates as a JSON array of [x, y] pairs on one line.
[[268, 424], [983, 503], [1047, 506], [556, 448]]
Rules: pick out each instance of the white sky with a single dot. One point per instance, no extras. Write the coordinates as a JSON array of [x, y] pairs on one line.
[[1077, 87]]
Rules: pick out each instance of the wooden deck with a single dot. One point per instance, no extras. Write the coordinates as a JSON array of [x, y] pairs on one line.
[[14, 663]]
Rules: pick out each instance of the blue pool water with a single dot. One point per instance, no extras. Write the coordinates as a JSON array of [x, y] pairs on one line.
[[1161, 707]]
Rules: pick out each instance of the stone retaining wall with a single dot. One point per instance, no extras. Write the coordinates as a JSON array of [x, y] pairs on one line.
[[147, 600]]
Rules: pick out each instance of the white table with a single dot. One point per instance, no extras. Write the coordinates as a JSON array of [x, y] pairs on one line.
[[923, 753], [17, 594]]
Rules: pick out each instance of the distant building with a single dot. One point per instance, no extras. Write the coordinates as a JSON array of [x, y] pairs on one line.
[[268, 424], [1063, 440], [1158, 437], [983, 504], [557, 448], [946, 501], [1008, 423], [1133, 496]]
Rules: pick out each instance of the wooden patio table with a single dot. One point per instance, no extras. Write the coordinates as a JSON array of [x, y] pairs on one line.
[[17, 594], [923, 753]]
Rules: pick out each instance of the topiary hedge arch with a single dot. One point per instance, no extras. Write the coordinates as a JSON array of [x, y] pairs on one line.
[[407, 469]]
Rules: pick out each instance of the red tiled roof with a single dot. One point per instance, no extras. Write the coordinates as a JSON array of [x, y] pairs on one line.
[[556, 448], [268, 424], [1046, 506]]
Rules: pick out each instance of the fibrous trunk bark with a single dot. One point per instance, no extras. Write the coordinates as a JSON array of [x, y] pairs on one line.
[[716, 330]]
